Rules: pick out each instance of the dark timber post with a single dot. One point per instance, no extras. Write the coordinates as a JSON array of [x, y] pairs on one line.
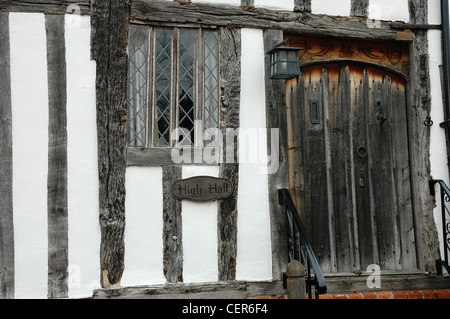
[[6, 168], [230, 97], [360, 8], [110, 19], [57, 198], [419, 104]]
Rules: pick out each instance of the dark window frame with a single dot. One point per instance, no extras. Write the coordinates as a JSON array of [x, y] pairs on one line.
[[149, 152]]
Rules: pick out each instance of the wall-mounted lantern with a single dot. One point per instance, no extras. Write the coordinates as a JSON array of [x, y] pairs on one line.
[[284, 62]]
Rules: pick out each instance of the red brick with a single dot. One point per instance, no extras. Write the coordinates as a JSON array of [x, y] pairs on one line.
[[442, 293], [340, 296], [369, 295], [385, 295], [400, 295], [429, 294], [414, 294], [354, 296]]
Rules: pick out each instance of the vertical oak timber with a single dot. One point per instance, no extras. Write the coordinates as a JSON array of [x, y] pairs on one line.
[[276, 119], [110, 20], [172, 229], [359, 8], [230, 66], [57, 198], [6, 204], [419, 101], [302, 5], [247, 3]]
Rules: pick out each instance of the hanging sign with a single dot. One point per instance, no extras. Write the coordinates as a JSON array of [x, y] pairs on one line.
[[202, 188]]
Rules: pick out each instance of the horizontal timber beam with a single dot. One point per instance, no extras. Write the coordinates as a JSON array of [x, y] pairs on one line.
[[158, 11], [46, 6]]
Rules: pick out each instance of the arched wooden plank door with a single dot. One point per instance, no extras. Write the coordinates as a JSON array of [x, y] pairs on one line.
[[349, 166]]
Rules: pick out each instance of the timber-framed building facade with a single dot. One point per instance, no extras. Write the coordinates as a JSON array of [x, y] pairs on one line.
[[118, 117]]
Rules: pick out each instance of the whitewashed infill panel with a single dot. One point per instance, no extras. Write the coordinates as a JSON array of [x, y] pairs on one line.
[[287, 5], [229, 2], [29, 96], [336, 7], [199, 232], [397, 10], [84, 231], [143, 227], [253, 223]]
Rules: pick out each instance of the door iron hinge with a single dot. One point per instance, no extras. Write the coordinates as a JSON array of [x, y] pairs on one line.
[[445, 124]]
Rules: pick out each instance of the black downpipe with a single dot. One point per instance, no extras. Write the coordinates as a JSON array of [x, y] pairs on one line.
[[446, 61]]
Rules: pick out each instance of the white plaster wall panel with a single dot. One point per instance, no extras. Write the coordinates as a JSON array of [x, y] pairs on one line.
[[438, 152], [29, 99], [336, 7], [230, 2], [199, 222], [143, 227], [254, 261], [276, 5], [397, 10], [434, 12], [84, 230]]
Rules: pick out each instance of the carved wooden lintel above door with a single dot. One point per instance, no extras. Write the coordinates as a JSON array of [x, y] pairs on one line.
[[393, 55]]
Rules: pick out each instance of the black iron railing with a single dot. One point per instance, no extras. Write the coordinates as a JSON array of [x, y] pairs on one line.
[[300, 248], [445, 211]]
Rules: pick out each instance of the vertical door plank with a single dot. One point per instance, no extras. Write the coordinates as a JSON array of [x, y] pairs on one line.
[[402, 178], [382, 169], [327, 133], [338, 128], [358, 89], [349, 172], [295, 113], [316, 204]]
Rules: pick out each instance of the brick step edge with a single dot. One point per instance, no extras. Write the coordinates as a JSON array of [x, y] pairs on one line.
[[406, 294]]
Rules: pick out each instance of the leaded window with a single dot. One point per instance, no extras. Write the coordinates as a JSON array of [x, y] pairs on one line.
[[173, 83]]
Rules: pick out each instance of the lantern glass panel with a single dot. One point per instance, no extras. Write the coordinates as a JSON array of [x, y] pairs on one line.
[[293, 68]]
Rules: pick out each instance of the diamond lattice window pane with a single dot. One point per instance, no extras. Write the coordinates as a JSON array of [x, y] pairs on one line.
[[137, 85], [162, 90], [186, 83], [211, 76]]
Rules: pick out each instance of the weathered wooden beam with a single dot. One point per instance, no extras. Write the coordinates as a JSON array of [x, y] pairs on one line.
[[172, 227], [57, 198], [158, 11], [220, 290], [161, 157], [46, 6], [359, 8], [276, 118], [419, 108], [6, 170], [229, 119], [109, 50], [412, 26]]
